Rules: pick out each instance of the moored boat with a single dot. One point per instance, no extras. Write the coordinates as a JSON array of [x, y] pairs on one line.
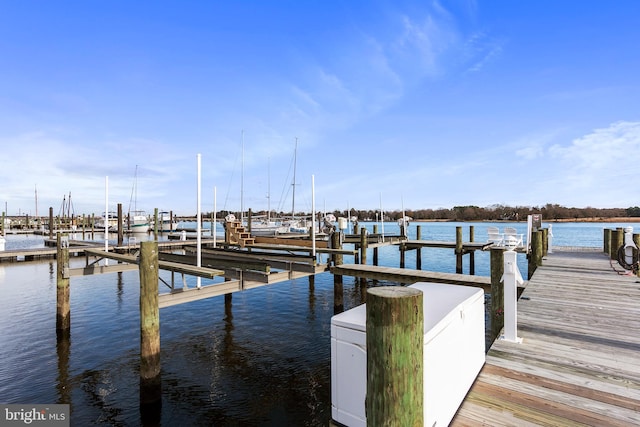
[[138, 222]]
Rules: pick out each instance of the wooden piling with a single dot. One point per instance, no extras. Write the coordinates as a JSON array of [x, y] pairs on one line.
[[535, 256], [155, 223], [636, 240], [545, 242], [120, 225], [63, 306], [607, 241], [472, 254], [617, 241], [363, 245], [51, 224], [150, 383], [459, 250], [337, 258], [395, 342], [375, 250], [497, 292], [419, 249]]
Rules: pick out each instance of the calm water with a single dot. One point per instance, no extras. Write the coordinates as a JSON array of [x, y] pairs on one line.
[[264, 360]]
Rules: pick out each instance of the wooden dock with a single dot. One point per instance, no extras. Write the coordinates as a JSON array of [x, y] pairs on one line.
[[409, 276], [579, 362]]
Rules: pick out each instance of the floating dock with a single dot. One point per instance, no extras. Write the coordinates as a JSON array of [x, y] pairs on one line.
[[579, 362]]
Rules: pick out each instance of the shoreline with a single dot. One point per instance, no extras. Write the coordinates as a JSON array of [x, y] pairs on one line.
[[591, 219]]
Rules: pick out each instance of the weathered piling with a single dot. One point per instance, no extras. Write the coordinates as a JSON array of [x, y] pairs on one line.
[[497, 291], [545, 242], [150, 384], [51, 224], [459, 250], [155, 223], [535, 256], [63, 307], [636, 240], [607, 241], [338, 287], [364, 243], [419, 249], [472, 254], [120, 225], [395, 343], [337, 258], [617, 240], [375, 250]]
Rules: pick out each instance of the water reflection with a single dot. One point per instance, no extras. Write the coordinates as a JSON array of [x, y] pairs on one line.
[[63, 349]]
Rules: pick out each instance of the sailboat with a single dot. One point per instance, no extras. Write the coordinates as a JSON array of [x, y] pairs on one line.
[[295, 225], [138, 221]]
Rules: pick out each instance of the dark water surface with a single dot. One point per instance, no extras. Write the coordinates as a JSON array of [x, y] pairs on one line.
[[262, 360]]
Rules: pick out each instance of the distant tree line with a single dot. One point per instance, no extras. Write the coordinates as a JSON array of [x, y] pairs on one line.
[[476, 213], [499, 213]]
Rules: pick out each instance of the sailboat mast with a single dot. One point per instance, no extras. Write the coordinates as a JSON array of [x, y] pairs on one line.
[[269, 190], [242, 180], [293, 198]]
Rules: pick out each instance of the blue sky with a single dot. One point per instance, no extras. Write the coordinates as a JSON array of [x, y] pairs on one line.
[[408, 104]]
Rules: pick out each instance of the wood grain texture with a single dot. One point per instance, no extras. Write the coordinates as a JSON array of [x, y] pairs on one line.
[[579, 362]]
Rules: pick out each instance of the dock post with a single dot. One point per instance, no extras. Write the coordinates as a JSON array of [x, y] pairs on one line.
[[636, 240], [120, 225], [419, 248], [155, 223], [375, 250], [150, 384], [545, 241], [458, 250], [511, 280], [363, 253], [497, 291], [63, 308], [395, 343], [535, 257], [363, 245], [337, 258], [403, 250], [51, 224], [616, 241], [607, 241], [472, 253]]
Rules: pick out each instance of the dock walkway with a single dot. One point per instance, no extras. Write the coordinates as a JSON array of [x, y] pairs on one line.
[[579, 362]]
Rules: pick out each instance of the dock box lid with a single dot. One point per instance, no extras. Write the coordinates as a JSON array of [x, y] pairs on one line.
[[440, 302]]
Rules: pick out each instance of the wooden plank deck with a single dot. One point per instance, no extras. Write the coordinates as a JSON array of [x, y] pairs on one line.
[[406, 275], [579, 362]]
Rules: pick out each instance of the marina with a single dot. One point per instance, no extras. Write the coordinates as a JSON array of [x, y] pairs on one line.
[[271, 335]]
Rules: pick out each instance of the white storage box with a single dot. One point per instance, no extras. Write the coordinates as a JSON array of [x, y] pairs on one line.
[[454, 352]]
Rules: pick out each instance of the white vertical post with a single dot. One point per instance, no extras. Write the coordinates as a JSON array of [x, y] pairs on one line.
[[550, 240], [106, 217], [313, 216], [512, 279], [198, 227], [215, 214], [529, 231], [382, 217]]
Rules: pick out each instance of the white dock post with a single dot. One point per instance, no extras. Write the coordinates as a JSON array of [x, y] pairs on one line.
[[511, 278], [550, 240], [199, 225], [106, 217]]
